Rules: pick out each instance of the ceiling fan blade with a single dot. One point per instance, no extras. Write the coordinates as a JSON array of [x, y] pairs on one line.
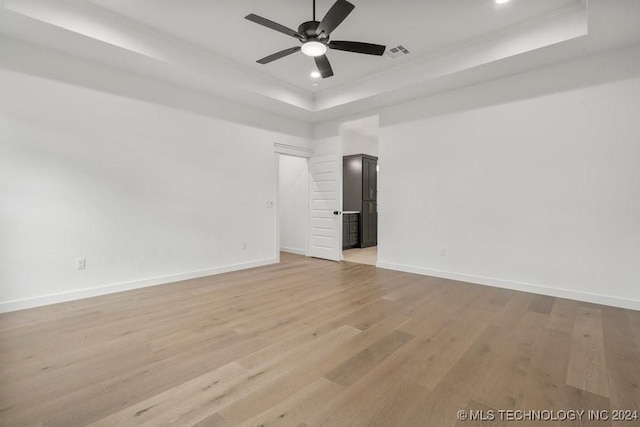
[[324, 67], [273, 25], [338, 12], [358, 47], [278, 55]]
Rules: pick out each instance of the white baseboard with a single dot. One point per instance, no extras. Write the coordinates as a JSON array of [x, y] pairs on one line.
[[7, 306], [517, 286], [294, 251]]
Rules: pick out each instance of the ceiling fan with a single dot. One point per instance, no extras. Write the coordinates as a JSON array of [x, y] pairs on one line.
[[315, 36]]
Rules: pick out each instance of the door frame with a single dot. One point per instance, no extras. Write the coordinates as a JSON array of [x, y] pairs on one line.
[[290, 150]]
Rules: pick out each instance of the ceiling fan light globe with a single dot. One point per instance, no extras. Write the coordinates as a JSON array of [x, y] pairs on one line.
[[313, 48]]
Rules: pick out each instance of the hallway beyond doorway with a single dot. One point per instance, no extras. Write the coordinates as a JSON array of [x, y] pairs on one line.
[[367, 256]]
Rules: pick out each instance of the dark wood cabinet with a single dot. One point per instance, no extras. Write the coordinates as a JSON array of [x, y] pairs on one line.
[[350, 230], [360, 193], [369, 178]]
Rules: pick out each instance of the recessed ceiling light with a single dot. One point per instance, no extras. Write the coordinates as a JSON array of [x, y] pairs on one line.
[[315, 75], [502, 1], [314, 48]]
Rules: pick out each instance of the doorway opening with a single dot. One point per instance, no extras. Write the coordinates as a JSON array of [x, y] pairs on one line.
[[292, 204], [360, 151]]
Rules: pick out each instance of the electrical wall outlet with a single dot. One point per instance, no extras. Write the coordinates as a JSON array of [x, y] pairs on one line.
[[244, 246], [81, 263], [443, 252], [269, 204]]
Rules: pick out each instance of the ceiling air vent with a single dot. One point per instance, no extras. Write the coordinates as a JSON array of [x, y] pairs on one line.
[[396, 52]]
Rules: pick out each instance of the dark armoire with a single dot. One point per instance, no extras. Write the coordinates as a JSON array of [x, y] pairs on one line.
[[360, 193]]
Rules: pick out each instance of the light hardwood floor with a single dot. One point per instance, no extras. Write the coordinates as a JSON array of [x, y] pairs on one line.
[[311, 342]]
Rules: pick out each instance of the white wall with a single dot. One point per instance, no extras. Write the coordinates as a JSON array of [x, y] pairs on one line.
[[146, 193], [34, 60], [529, 182], [293, 202], [356, 143]]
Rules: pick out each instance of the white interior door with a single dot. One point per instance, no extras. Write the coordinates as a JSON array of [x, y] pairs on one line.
[[325, 237]]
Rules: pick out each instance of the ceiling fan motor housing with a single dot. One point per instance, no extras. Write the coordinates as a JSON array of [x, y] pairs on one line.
[[308, 30]]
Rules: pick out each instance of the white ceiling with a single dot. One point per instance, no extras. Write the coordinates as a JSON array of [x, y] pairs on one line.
[[421, 26], [207, 45]]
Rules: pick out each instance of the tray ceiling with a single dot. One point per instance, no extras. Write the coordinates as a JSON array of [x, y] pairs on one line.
[[209, 46]]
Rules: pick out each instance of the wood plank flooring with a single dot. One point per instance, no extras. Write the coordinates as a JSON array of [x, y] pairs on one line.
[[311, 342]]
